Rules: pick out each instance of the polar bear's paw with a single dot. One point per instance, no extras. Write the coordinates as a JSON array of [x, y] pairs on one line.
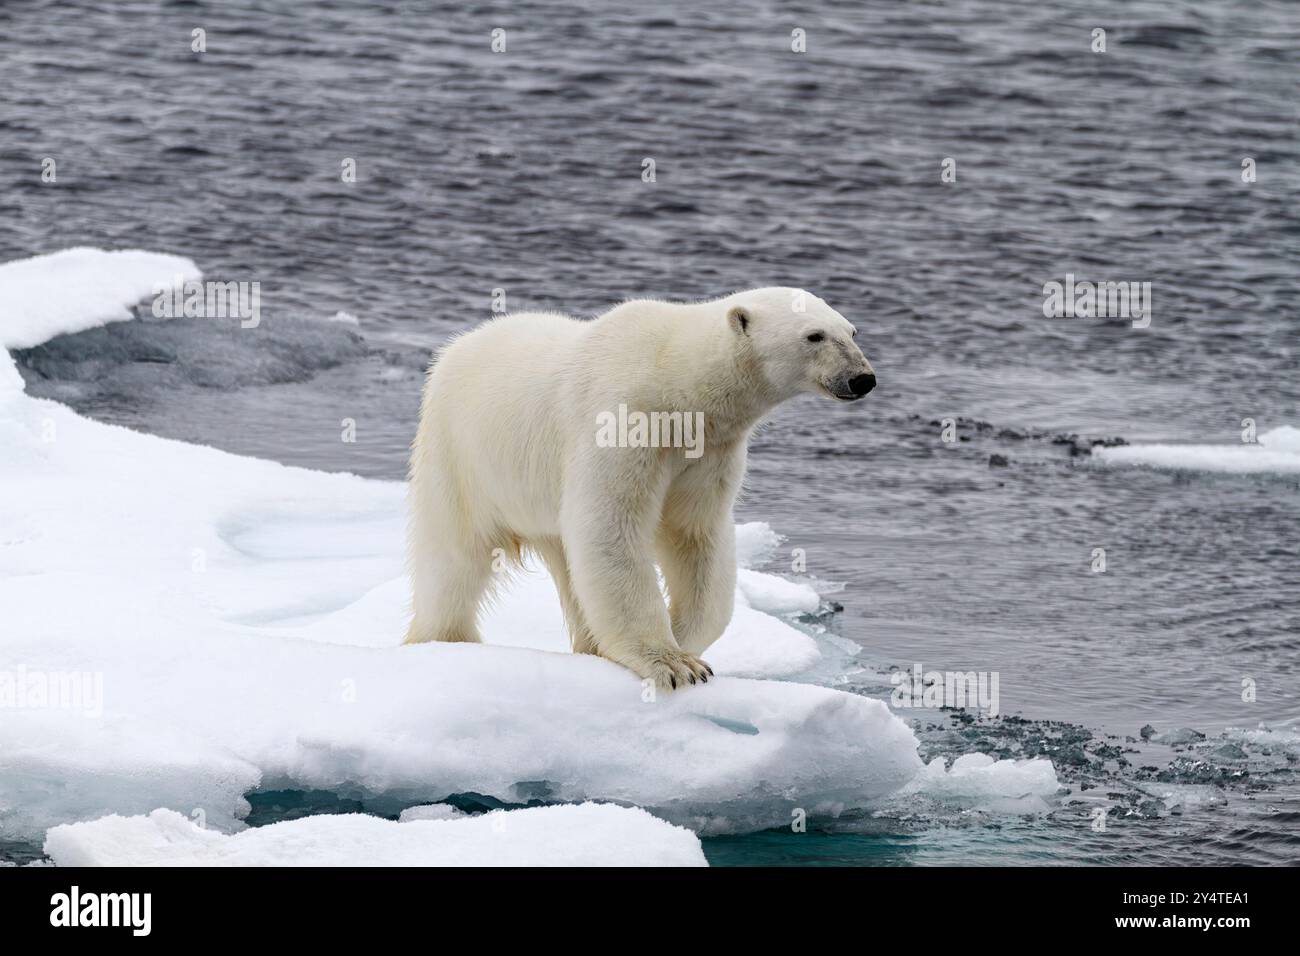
[[670, 667]]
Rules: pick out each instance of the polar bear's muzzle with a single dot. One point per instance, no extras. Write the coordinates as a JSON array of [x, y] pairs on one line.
[[859, 385], [851, 389]]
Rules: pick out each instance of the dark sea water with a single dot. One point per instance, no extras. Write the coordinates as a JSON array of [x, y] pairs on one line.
[[522, 171]]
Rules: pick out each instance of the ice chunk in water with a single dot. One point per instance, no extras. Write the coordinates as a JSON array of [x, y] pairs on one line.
[[587, 835]]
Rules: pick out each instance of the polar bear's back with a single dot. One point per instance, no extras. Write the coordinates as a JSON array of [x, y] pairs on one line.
[[507, 364], [494, 411]]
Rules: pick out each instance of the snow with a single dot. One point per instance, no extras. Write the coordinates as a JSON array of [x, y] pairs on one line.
[[1275, 451], [244, 620], [589, 834], [79, 289]]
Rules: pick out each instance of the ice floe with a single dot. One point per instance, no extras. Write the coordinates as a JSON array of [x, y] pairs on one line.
[[242, 622]]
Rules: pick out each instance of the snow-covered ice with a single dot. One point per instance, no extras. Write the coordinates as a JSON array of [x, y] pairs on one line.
[[1275, 451], [244, 619], [589, 834]]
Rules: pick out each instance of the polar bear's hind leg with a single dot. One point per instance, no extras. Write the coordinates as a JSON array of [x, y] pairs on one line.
[[451, 562], [447, 597]]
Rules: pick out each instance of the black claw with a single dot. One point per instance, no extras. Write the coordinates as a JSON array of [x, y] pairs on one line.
[[672, 680]]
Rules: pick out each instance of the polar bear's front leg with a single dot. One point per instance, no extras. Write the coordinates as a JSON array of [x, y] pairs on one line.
[[699, 565], [697, 547], [611, 508]]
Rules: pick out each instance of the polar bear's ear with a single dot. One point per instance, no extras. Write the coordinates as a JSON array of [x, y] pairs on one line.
[[739, 319]]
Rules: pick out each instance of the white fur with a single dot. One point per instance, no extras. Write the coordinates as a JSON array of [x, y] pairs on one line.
[[506, 457]]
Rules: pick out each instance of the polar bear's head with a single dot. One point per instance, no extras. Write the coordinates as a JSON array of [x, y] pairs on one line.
[[800, 343]]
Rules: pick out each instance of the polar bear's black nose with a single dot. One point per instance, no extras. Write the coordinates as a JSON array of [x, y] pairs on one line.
[[861, 384]]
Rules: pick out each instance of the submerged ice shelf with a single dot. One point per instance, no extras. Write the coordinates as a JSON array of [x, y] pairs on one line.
[[238, 622]]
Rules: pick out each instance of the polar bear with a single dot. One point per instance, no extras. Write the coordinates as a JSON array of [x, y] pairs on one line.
[[517, 448]]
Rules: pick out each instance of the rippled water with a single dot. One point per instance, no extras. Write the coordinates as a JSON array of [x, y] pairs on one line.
[[522, 171]]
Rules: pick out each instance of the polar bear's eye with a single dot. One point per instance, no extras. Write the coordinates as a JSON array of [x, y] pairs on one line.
[[816, 337]]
